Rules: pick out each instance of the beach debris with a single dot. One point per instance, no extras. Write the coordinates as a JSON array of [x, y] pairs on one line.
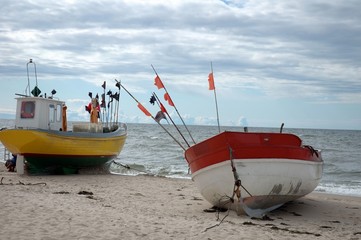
[[276, 228], [249, 223], [61, 192], [215, 209], [85, 193], [197, 199], [325, 227]]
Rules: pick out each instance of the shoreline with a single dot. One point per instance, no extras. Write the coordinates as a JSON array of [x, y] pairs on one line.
[[111, 206]]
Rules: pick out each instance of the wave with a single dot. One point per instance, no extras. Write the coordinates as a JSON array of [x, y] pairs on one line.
[[339, 189]]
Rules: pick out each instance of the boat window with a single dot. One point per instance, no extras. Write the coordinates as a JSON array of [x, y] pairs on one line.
[[27, 109], [51, 113], [58, 113]]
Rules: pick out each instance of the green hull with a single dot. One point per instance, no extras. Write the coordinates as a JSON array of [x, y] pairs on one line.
[[45, 164]]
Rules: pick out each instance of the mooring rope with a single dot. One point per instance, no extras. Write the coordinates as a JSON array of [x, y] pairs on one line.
[[21, 183], [130, 168], [237, 181]]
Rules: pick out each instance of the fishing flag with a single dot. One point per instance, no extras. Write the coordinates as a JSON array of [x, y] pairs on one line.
[[211, 81], [160, 115], [158, 82], [102, 104], [144, 110], [163, 108], [116, 96], [104, 85], [168, 98], [152, 100], [117, 84]]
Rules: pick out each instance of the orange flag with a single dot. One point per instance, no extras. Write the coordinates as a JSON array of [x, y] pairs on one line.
[[167, 98], [211, 81], [144, 110], [162, 108], [158, 82]]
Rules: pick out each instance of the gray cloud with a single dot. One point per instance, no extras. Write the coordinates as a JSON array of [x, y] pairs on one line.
[[281, 49]]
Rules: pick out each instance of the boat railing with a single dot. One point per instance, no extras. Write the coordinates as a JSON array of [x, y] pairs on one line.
[[114, 126], [98, 127]]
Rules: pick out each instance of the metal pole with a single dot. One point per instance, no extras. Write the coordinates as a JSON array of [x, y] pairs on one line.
[[176, 109], [215, 98]]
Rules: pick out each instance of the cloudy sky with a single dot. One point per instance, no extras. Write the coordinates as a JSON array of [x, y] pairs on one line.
[[297, 62]]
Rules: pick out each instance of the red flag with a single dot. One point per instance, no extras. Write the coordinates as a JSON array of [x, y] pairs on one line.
[[167, 98], [163, 108], [211, 81], [158, 82], [144, 110]]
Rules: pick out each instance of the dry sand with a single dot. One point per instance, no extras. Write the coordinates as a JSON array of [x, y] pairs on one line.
[[147, 207]]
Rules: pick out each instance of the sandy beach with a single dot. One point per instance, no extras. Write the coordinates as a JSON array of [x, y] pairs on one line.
[[147, 207]]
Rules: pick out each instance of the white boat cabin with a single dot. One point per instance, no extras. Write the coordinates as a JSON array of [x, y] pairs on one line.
[[39, 112]]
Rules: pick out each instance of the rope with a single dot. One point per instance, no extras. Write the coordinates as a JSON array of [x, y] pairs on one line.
[[312, 150], [237, 181], [236, 191], [130, 168]]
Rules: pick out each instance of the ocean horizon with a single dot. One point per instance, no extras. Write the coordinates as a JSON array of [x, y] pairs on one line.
[[150, 150]]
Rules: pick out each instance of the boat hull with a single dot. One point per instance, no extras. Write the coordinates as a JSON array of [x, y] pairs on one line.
[[44, 148], [268, 169], [266, 183]]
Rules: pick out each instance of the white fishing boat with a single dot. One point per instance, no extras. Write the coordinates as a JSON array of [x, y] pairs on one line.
[[254, 172], [251, 173]]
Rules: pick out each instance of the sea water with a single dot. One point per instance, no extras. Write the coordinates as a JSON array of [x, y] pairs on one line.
[[150, 150]]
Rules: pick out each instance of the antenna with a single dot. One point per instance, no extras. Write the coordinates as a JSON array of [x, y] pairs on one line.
[[36, 91]]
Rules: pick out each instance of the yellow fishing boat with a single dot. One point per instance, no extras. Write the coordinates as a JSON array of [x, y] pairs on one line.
[[40, 138]]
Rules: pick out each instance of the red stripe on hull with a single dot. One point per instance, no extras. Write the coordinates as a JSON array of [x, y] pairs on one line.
[[248, 146]]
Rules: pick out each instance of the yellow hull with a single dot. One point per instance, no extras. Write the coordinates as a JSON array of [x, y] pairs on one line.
[[19, 141], [47, 148]]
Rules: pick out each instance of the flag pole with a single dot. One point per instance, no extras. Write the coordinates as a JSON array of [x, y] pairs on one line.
[[109, 114], [155, 95], [118, 86], [105, 105], [172, 121], [153, 117], [215, 99], [175, 108]]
